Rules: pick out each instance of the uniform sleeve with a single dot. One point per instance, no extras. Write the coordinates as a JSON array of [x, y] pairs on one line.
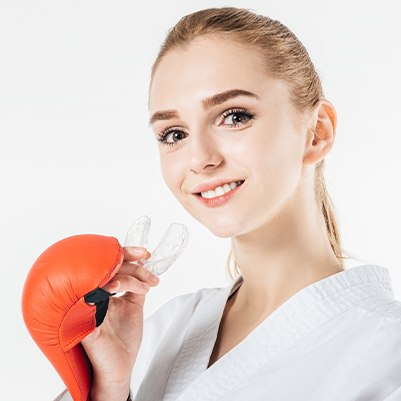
[[394, 396]]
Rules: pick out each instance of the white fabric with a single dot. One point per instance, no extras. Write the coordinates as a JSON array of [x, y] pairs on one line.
[[336, 339], [64, 396]]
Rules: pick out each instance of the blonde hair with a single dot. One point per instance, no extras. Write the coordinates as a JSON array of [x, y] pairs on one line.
[[285, 58]]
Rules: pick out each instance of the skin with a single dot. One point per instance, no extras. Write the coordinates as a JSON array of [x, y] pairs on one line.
[[113, 346], [276, 228]]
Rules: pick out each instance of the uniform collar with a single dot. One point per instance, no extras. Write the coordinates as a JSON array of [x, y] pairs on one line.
[[302, 313], [346, 278]]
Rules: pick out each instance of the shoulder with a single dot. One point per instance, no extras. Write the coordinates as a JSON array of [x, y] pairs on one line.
[[383, 306], [384, 347]]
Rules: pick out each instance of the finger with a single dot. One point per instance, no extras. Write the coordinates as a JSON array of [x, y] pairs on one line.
[[115, 286], [139, 272], [125, 282], [112, 286], [132, 253]]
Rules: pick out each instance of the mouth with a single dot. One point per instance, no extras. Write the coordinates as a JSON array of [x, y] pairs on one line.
[[238, 184], [219, 198]]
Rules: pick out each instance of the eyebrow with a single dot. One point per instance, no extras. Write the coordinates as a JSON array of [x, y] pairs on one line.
[[206, 104]]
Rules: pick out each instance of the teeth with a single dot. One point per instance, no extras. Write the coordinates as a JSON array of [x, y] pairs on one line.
[[218, 191]]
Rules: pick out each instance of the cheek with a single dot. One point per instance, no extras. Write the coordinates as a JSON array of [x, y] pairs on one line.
[[276, 161], [171, 173]]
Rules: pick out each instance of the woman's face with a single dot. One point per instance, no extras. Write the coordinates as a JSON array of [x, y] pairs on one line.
[[257, 137]]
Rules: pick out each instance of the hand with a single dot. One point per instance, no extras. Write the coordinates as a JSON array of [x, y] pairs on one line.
[[113, 346]]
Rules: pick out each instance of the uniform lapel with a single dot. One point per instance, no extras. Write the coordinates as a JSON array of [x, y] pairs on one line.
[[198, 344], [302, 313]]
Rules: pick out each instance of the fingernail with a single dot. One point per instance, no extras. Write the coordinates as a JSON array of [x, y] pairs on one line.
[[153, 278], [145, 285]]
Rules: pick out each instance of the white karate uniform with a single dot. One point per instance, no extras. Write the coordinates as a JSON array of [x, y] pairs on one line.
[[336, 339]]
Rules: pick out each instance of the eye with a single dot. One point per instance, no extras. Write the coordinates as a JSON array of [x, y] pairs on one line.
[[238, 116], [175, 133]]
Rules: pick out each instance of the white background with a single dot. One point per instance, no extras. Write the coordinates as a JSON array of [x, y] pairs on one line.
[[76, 155]]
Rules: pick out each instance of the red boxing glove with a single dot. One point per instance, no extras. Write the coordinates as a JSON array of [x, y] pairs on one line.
[[62, 280]]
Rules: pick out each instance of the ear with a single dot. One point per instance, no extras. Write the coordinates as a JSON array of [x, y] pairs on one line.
[[321, 135]]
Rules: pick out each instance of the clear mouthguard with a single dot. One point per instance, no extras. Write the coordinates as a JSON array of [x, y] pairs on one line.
[[168, 249]]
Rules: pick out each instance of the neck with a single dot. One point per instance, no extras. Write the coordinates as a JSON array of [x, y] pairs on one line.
[[280, 258]]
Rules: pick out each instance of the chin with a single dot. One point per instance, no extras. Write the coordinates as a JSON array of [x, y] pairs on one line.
[[222, 233], [223, 229]]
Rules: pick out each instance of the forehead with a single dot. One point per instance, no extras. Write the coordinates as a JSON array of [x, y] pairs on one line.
[[204, 67]]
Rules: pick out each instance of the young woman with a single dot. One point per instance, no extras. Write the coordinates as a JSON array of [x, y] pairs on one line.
[[243, 129]]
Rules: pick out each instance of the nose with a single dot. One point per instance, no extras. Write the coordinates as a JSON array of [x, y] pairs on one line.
[[204, 152]]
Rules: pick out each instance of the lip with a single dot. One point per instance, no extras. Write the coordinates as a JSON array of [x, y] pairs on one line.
[[213, 184], [219, 200]]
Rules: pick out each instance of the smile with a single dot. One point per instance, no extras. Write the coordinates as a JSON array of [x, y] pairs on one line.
[[219, 195]]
